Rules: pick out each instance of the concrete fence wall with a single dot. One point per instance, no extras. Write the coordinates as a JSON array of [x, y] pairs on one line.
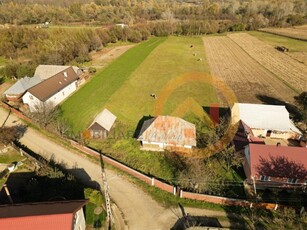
[[163, 186], [16, 112], [157, 183], [214, 199], [172, 189]]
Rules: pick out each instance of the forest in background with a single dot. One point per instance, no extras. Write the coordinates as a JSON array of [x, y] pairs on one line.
[[253, 14], [26, 46]]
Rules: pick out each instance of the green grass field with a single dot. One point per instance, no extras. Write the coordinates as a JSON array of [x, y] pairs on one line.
[[294, 45], [89, 100], [124, 87]]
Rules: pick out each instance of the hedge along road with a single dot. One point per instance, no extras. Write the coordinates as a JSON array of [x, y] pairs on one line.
[[139, 209]]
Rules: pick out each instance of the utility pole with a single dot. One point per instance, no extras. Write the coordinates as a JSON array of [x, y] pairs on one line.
[[106, 193], [254, 185]]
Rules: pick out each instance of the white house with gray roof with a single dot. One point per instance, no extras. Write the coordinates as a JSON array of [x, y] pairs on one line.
[[16, 91], [265, 120], [51, 91], [42, 73], [102, 124]]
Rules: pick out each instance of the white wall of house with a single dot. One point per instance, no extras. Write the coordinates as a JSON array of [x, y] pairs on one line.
[[79, 220], [31, 101], [63, 94], [164, 145], [259, 132], [275, 134], [54, 100]]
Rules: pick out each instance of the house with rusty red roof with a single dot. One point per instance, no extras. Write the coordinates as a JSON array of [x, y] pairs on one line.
[[165, 132], [275, 166], [51, 91], [60, 215]]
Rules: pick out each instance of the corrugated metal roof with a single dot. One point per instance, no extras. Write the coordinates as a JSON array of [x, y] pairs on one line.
[[258, 116], [44, 215], [22, 85], [168, 130], [54, 84], [45, 222], [46, 71], [105, 119], [293, 155]]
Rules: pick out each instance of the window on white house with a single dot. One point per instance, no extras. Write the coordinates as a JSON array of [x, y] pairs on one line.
[[265, 178], [31, 97], [292, 181], [63, 93]]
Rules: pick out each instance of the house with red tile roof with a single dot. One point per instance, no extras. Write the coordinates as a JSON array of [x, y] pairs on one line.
[[51, 91], [165, 132], [275, 166], [60, 215]]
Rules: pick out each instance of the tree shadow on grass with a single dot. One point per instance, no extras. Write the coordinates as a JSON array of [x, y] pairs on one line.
[[294, 111]]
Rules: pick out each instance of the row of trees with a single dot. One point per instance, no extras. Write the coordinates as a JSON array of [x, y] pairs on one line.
[[250, 12], [27, 47]]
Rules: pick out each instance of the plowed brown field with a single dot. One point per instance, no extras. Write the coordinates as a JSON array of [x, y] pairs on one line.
[[297, 32], [244, 75], [287, 69]]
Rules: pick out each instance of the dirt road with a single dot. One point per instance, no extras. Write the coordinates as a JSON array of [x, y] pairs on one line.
[[139, 209]]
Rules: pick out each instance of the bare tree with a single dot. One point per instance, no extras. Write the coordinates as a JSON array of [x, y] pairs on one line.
[[8, 135], [230, 158], [200, 176], [45, 113]]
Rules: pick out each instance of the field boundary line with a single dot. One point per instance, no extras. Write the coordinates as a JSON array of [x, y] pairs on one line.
[[280, 79]]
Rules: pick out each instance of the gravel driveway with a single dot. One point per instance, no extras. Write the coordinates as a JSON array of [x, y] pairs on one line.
[[139, 210]]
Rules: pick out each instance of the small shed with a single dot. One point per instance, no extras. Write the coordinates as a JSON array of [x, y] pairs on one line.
[[102, 124]]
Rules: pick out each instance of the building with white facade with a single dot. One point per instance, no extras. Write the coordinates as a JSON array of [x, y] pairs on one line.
[[51, 91]]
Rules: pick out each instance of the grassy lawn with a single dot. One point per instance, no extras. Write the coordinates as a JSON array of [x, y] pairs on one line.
[[155, 66], [10, 156], [171, 60], [85, 104], [294, 45], [95, 200]]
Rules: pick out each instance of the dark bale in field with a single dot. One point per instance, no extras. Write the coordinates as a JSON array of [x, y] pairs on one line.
[[282, 48]]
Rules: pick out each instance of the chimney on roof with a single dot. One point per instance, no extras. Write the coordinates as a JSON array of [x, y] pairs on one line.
[[278, 144], [214, 112], [65, 74]]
